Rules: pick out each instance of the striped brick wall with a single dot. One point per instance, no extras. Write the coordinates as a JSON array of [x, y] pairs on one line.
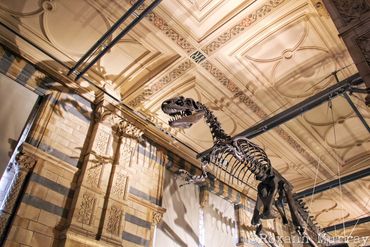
[[66, 115], [67, 128], [44, 207]]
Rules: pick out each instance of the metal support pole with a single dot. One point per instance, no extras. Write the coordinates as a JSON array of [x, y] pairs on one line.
[[118, 37], [347, 224], [333, 184], [358, 113], [105, 36]]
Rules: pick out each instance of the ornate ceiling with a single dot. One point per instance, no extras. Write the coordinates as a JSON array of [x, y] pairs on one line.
[[246, 59]]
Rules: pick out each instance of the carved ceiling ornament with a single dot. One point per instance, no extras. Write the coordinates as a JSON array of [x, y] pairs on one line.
[[42, 7], [167, 30], [364, 44], [320, 7], [171, 33], [290, 66], [86, 208], [169, 77], [351, 10], [239, 28]]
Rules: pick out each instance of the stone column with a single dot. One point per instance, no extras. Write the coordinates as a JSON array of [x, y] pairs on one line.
[[23, 165], [352, 19], [243, 221], [87, 205], [156, 219], [116, 195]]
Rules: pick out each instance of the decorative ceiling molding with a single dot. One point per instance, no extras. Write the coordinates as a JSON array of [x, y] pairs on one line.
[[167, 30], [239, 28], [171, 76]]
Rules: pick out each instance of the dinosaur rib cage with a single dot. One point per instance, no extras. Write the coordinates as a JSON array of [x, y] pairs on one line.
[[239, 159]]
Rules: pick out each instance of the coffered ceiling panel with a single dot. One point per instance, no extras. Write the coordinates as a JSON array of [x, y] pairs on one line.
[[341, 133], [201, 18], [331, 207]]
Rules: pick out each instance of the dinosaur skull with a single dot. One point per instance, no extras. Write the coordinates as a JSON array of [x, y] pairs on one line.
[[184, 112]]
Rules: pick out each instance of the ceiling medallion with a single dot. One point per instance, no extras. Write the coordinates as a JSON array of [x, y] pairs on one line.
[[48, 6], [197, 57]]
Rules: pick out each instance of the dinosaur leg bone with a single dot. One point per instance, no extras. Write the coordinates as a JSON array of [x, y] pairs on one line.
[[297, 222], [268, 197], [257, 208], [279, 203]]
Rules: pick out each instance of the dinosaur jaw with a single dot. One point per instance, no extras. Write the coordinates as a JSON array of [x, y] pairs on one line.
[[182, 119]]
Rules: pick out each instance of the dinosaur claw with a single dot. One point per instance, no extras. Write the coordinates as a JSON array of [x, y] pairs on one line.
[[258, 230]]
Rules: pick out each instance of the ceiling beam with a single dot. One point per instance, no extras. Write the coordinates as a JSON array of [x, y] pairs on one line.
[[128, 28], [334, 183], [355, 109], [298, 109], [347, 224]]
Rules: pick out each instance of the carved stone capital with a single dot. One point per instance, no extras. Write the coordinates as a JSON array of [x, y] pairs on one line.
[[125, 129], [25, 161], [101, 113], [156, 217]]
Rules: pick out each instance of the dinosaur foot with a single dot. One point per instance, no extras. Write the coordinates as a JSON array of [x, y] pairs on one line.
[[190, 178], [256, 218], [258, 230]]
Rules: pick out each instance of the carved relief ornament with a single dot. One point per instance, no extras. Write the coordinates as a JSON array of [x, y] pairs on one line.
[[86, 208], [120, 186], [156, 218], [114, 220], [101, 113]]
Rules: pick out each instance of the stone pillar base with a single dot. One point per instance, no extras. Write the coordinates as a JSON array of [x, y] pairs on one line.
[[73, 239]]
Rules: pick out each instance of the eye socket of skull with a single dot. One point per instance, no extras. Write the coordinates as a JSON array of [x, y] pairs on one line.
[[188, 102], [180, 101]]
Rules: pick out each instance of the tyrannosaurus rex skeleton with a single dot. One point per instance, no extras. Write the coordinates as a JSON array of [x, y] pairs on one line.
[[240, 155]]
